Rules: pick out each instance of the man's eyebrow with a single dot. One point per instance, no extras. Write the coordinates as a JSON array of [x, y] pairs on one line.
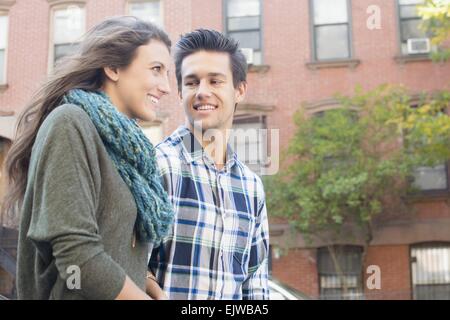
[[216, 74], [190, 76], [211, 74]]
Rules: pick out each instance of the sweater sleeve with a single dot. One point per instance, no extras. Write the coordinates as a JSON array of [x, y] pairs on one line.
[[66, 187]]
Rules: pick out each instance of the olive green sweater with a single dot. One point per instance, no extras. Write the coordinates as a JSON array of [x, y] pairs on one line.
[[77, 215]]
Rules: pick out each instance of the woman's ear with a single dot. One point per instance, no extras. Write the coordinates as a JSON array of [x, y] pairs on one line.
[[111, 73]]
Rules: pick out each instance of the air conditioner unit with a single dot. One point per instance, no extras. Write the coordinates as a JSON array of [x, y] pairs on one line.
[[419, 45], [248, 53]]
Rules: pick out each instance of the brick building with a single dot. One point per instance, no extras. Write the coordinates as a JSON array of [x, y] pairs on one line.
[[301, 52]]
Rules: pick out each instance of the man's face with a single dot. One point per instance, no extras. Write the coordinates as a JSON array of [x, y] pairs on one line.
[[207, 92]]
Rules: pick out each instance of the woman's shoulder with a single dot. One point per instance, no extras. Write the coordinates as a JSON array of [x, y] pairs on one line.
[[67, 115], [67, 125], [65, 119]]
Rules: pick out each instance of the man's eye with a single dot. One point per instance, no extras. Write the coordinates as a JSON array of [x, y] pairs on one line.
[[216, 81], [190, 83], [157, 68]]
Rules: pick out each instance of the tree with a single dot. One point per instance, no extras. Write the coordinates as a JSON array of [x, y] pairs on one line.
[[345, 167], [436, 21]]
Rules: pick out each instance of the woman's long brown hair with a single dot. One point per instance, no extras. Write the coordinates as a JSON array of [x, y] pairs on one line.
[[112, 43]]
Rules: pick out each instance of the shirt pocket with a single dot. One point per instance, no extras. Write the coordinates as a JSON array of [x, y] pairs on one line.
[[242, 244]]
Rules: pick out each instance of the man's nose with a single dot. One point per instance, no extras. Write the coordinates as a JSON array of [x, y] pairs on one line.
[[203, 91]]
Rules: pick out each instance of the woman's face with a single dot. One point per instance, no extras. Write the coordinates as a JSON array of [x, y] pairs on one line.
[[136, 90]]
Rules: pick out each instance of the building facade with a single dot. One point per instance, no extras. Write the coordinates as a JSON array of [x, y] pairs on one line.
[[300, 53]]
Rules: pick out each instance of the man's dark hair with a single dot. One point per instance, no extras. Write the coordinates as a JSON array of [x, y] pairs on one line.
[[211, 40]]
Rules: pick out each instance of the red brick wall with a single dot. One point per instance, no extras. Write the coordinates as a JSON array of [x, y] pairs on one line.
[[432, 209], [298, 269], [27, 52], [287, 49], [395, 272]]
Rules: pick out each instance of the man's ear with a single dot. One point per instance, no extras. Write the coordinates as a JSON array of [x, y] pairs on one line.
[[240, 91], [111, 73]]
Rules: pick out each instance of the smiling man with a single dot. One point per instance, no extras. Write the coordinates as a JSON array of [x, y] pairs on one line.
[[218, 247]]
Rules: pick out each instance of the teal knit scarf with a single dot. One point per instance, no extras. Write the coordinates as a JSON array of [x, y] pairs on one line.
[[134, 157]]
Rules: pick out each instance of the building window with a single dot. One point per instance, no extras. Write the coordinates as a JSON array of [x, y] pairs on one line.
[[249, 140], [334, 285], [3, 45], [430, 266], [409, 23], [149, 11], [431, 178], [331, 29], [68, 27], [243, 23], [426, 178]]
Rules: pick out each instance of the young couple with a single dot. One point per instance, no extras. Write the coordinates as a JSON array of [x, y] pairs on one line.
[[184, 220]]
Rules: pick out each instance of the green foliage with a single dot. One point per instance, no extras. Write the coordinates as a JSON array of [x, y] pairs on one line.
[[342, 165], [436, 21]]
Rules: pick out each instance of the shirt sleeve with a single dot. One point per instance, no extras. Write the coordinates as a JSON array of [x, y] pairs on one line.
[[65, 201], [256, 286]]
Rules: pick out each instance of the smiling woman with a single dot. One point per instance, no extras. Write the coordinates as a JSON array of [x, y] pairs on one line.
[[137, 89], [83, 172]]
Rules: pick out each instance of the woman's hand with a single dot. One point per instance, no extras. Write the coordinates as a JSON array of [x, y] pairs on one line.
[[131, 291], [153, 289]]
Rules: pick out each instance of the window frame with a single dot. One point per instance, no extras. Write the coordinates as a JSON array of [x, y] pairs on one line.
[[161, 8], [4, 83], [400, 31], [433, 192], [428, 245], [61, 5], [427, 193], [360, 278], [313, 36], [246, 118], [261, 27]]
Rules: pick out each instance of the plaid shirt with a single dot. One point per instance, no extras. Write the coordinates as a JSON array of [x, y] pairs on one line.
[[219, 244]]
